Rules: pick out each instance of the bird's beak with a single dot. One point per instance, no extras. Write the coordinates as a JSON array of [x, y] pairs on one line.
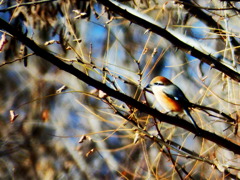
[[148, 86]]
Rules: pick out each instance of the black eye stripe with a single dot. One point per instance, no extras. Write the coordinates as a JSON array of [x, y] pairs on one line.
[[158, 83]]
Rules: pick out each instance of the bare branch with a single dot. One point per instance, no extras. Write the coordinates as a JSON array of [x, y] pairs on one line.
[[26, 4], [148, 23], [120, 96]]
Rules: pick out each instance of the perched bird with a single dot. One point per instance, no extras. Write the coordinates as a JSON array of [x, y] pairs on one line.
[[171, 97]]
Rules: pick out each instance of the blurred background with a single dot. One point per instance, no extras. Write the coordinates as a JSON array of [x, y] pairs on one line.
[[54, 126]]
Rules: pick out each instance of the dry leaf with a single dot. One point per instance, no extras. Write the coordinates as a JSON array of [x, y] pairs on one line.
[[13, 116], [3, 41]]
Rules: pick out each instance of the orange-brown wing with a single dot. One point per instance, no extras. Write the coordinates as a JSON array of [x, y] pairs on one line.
[[170, 104]]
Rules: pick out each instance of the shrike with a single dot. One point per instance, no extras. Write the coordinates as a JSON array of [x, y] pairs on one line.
[[171, 97]]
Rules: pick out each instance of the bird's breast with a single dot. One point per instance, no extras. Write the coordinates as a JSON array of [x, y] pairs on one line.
[[168, 103]]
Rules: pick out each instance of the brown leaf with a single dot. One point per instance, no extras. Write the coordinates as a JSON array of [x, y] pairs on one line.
[[45, 115], [3, 41], [13, 116]]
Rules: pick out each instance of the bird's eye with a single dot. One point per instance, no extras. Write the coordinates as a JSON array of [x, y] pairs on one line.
[[158, 83]]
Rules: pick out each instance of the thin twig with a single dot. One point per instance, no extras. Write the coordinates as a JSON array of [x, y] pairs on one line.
[[26, 4]]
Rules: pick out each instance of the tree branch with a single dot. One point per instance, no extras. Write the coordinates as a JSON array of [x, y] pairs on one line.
[[120, 96], [148, 23], [26, 4], [208, 20]]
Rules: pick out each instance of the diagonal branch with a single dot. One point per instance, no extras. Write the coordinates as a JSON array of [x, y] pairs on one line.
[[207, 19], [118, 95], [26, 4], [148, 23]]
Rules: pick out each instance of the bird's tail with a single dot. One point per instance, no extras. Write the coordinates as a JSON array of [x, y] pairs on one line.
[[186, 111]]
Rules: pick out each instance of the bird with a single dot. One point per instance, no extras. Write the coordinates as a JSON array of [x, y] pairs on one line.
[[171, 97]]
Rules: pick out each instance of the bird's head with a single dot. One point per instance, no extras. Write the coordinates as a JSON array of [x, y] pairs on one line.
[[159, 81]]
